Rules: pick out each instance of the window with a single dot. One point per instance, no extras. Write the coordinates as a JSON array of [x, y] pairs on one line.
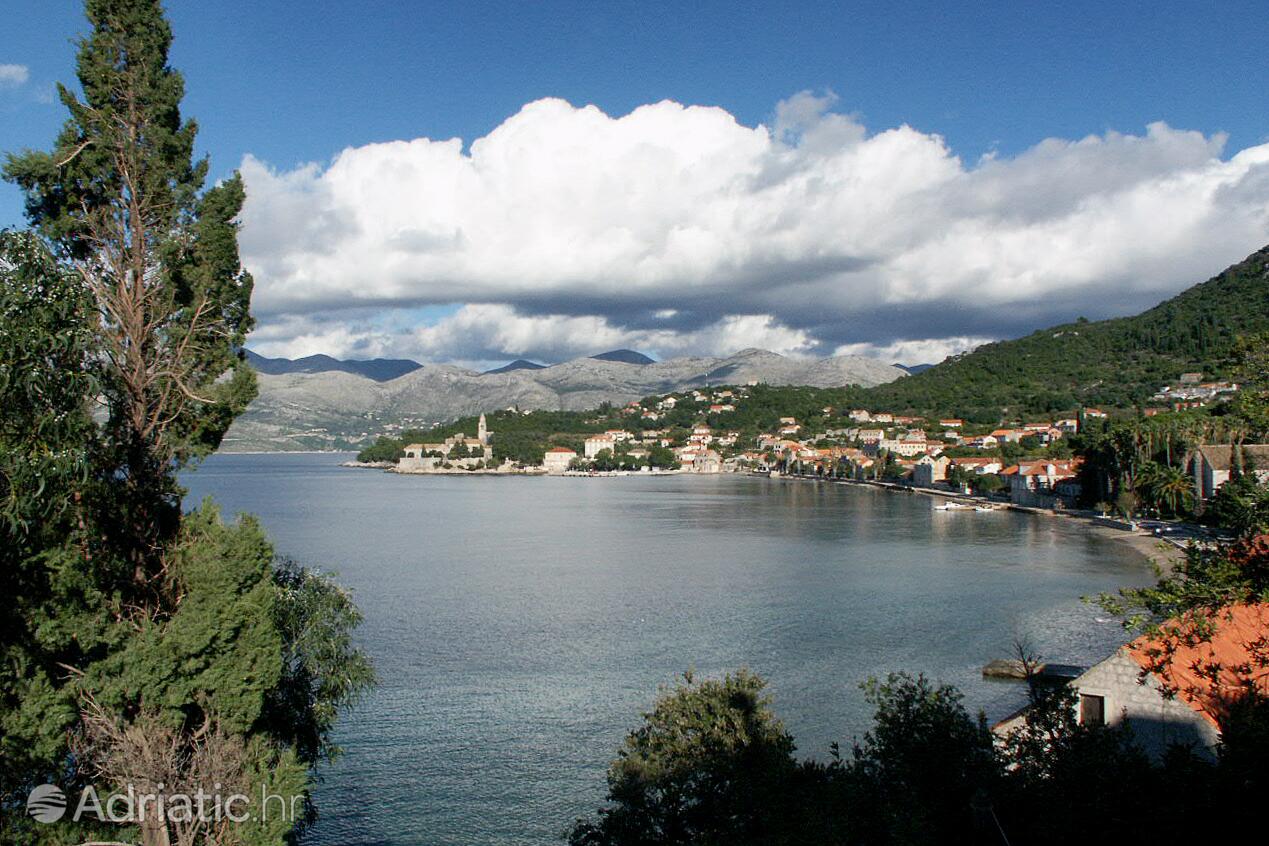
[[1092, 710]]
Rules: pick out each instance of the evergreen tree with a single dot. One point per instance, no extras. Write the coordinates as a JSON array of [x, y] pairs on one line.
[[119, 201], [121, 324]]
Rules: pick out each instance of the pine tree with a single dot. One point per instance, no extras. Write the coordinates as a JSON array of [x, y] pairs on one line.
[[119, 201], [128, 619]]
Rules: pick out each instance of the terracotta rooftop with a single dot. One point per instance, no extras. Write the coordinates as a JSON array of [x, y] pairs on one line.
[[1208, 674]]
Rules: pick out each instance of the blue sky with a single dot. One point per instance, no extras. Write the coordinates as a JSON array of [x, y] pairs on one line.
[[293, 83]]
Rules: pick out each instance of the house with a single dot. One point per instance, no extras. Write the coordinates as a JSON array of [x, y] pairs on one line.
[[557, 459], [1095, 413], [1036, 483], [859, 415], [929, 470], [899, 446], [978, 466], [707, 461], [952, 423], [980, 442], [871, 435], [1182, 700], [1211, 465], [596, 444]]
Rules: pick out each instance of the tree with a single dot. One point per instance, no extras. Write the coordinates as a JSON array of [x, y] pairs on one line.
[[987, 484], [118, 199], [1241, 505], [708, 765], [920, 766], [128, 615]]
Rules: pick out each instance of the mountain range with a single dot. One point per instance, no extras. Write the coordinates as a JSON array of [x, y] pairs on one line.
[[379, 369], [300, 407], [322, 403]]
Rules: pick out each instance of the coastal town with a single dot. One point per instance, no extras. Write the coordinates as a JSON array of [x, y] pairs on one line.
[[1026, 463]]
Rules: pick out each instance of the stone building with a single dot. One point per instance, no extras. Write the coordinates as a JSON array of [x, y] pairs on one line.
[[420, 458], [1211, 465], [1183, 701], [557, 459]]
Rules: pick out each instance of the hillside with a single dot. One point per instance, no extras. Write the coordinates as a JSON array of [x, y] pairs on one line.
[[339, 410], [1118, 363]]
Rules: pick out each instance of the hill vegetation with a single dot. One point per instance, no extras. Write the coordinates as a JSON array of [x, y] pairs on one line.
[[1118, 363]]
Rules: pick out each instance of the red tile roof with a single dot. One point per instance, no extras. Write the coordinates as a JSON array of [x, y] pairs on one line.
[[1208, 675]]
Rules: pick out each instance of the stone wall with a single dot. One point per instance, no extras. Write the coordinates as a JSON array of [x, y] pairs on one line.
[[1156, 721]]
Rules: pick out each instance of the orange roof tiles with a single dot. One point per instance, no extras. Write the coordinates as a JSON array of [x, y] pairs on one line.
[[1208, 675]]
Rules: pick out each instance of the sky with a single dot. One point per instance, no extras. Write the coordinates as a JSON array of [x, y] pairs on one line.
[[476, 182]]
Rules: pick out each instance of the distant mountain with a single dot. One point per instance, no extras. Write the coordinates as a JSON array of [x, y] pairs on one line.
[[518, 364], [914, 369], [329, 410], [1118, 363], [379, 369], [624, 356]]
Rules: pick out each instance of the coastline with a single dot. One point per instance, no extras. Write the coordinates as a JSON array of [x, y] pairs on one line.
[[1155, 551], [1152, 549]]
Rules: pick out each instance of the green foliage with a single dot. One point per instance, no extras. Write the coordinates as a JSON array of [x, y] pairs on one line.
[[1250, 407], [921, 764], [121, 607], [383, 449], [1207, 579], [119, 198], [1241, 505], [712, 765], [1118, 363], [702, 768]]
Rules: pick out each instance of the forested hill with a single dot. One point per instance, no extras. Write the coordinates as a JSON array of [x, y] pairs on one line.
[[1118, 363]]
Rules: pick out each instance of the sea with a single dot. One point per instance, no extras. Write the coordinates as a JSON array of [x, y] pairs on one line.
[[520, 626]]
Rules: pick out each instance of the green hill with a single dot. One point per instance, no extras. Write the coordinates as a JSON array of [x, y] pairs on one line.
[[1118, 363]]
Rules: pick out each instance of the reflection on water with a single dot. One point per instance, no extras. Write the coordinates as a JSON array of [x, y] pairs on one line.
[[520, 625]]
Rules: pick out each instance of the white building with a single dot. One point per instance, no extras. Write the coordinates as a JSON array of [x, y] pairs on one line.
[[597, 443], [1211, 465], [930, 470], [557, 459]]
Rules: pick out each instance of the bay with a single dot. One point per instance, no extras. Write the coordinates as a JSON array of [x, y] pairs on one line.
[[519, 626]]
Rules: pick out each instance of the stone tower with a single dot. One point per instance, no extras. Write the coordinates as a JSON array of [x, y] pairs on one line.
[[482, 431]]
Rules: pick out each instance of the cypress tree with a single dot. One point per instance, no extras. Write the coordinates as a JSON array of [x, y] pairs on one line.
[[122, 317], [120, 201]]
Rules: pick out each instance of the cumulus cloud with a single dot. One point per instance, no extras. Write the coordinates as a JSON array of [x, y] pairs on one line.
[[676, 229], [13, 76]]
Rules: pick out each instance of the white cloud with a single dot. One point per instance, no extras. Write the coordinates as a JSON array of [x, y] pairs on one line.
[[922, 351], [676, 228], [13, 76]]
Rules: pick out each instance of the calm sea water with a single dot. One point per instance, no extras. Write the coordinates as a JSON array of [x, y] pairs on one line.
[[519, 626]]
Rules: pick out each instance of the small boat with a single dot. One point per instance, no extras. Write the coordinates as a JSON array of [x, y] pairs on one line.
[[983, 508], [953, 506]]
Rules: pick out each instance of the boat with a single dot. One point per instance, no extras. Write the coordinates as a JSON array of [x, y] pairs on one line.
[[953, 506]]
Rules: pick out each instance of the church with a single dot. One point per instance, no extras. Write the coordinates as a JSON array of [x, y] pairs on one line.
[[458, 451]]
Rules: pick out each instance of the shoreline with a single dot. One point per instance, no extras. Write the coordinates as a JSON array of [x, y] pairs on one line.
[[1152, 549]]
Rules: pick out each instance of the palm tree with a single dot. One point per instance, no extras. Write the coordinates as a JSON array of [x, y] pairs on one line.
[[1173, 487]]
